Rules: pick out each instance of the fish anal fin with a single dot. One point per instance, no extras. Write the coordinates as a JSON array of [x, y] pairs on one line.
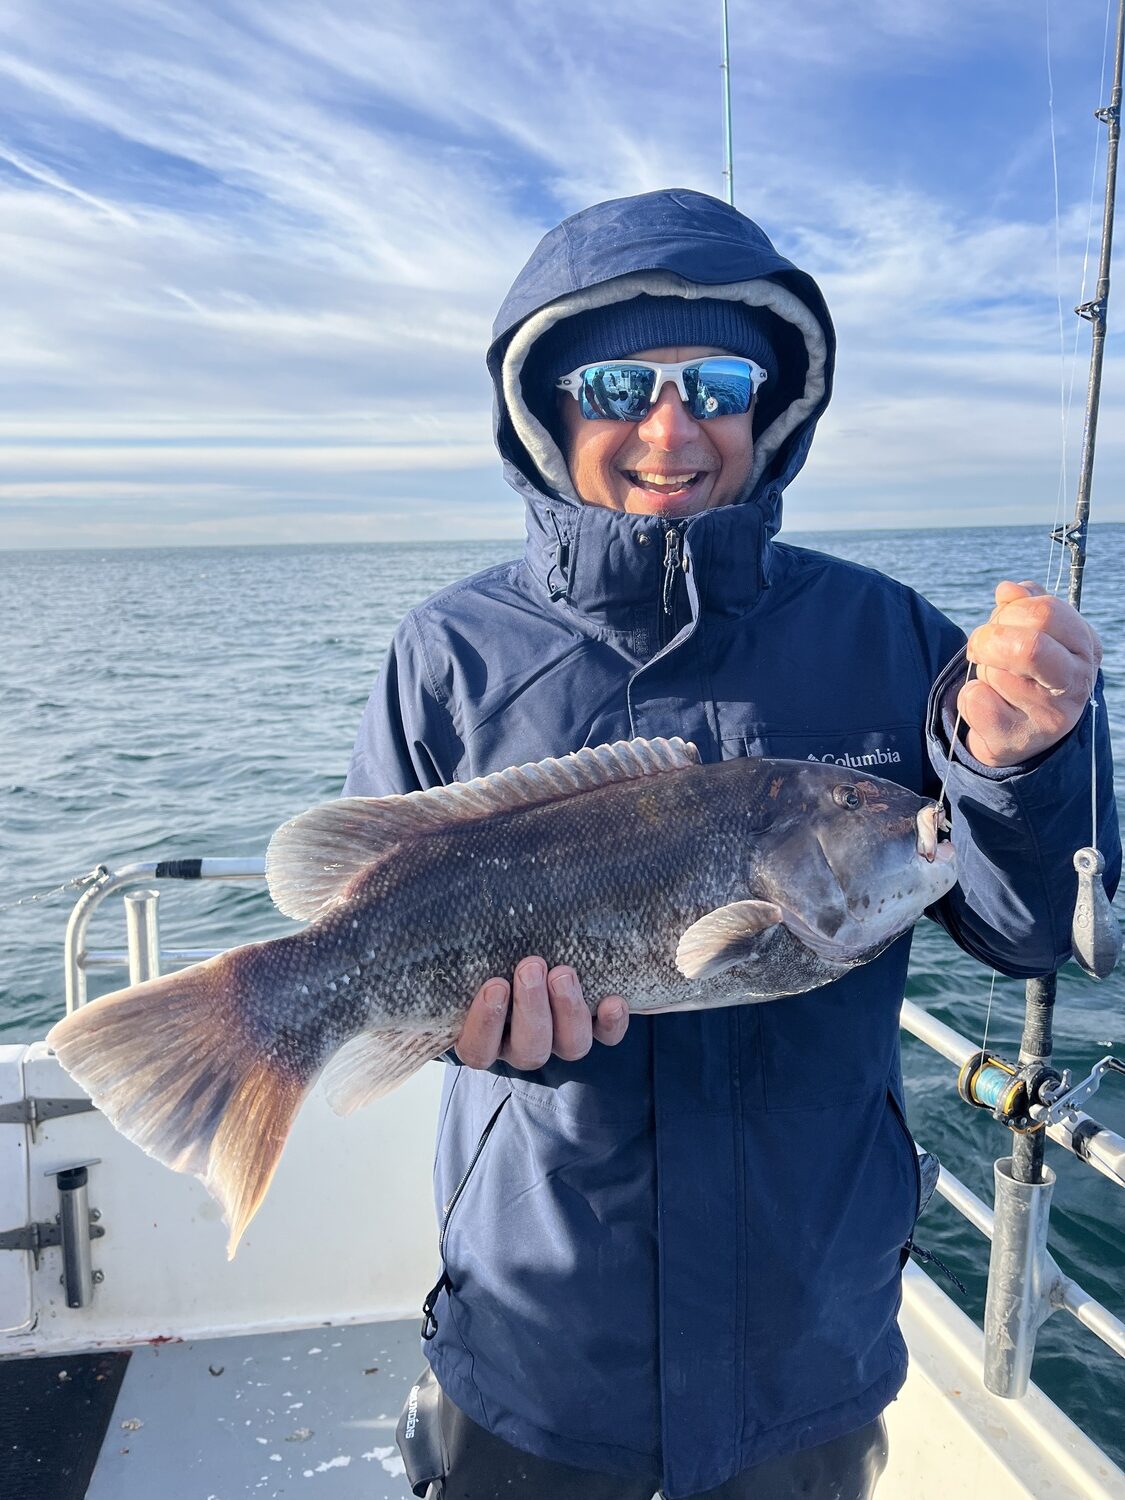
[[373, 1063], [312, 859], [725, 937]]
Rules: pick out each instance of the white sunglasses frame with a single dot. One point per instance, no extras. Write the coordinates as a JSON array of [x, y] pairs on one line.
[[572, 383]]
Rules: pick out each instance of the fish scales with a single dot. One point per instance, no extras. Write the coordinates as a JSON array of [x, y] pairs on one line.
[[675, 884], [606, 880]]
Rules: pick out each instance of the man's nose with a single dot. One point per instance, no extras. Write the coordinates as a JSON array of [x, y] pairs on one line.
[[669, 424]]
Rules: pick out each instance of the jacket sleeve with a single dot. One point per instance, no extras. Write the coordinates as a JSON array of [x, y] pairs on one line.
[[406, 741], [1016, 830]]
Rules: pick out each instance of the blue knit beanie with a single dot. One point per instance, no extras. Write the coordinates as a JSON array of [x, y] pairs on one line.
[[622, 329]]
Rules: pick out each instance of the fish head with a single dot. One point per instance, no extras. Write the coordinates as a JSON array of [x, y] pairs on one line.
[[854, 861]]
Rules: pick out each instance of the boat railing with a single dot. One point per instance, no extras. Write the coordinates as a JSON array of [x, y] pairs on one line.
[[1025, 1285], [143, 957]]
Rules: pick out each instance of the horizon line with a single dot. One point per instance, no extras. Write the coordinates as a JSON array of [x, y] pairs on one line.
[[507, 539]]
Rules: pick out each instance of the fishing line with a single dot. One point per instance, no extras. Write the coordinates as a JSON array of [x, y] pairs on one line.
[[953, 740], [988, 1012], [1093, 771]]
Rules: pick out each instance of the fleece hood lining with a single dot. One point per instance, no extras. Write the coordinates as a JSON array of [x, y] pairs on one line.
[[541, 446]]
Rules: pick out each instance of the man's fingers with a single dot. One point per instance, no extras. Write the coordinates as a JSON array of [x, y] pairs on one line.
[[998, 733], [611, 1020], [1050, 713], [1031, 654], [531, 1031], [540, 1013], [574, 1035], [1054, 617], [482, 1035], [1006, 590]]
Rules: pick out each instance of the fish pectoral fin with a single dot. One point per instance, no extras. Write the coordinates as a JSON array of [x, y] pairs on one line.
[[373, 1063], [312, 860], [725, 937]]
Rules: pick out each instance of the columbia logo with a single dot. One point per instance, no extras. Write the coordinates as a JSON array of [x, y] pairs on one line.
[[877, 757]]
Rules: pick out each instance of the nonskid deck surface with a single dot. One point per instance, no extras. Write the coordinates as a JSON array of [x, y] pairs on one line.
[[310, 1413]]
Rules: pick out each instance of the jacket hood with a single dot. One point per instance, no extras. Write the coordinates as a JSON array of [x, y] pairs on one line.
[[675, 242]]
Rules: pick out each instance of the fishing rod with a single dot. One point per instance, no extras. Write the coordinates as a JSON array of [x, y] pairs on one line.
[[1031, 1095], [728, 138], [1095, 934]]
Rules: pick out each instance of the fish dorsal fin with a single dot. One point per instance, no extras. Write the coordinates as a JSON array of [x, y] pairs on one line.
[[725, 937], [313, 858]]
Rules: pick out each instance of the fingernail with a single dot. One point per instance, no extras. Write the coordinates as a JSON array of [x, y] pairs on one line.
[[612, 1012], [566, 986], [496, 993]]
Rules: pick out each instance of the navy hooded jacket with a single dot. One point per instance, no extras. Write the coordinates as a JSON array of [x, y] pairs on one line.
[[681, 1256]]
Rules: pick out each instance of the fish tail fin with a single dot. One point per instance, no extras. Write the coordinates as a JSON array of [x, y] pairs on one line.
[[174, 1064]]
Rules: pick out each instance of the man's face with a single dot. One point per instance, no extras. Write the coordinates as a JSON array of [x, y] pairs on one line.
[[618, 465]]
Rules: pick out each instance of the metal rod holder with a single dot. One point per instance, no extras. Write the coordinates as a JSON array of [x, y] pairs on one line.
[[1021, 1277], [142, 934], [75, 1233]]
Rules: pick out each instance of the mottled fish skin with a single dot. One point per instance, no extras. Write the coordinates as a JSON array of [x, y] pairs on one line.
[[782, 874], [607, 881]]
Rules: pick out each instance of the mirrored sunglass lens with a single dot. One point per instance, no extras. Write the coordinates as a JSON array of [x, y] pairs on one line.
[[620, 392], [719, 388]]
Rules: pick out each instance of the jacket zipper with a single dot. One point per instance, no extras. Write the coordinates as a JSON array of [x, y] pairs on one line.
[[674, 562], [443, 1283]]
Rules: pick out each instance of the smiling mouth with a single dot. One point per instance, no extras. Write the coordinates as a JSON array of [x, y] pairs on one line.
[[664, 484]]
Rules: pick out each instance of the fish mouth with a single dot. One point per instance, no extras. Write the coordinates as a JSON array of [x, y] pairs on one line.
[[931, 823]]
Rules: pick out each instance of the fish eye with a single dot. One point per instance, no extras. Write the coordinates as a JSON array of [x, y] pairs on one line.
[[846, 796]]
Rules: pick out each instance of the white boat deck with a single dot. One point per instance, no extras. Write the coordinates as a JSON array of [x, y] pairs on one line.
[[283, 1372], [313, 1413], [280, 1414]]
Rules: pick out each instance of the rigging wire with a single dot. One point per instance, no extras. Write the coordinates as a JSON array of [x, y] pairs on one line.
[[75, 884]]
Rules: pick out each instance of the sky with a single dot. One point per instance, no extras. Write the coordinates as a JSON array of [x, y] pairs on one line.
[[252, 249]]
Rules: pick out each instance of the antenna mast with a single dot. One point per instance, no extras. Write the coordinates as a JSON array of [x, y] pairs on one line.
[[728, 167]]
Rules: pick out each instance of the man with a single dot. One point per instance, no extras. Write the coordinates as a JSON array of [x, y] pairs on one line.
[[672, 1259]]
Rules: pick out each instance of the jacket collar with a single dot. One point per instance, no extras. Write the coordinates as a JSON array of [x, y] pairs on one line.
[[609, 566]]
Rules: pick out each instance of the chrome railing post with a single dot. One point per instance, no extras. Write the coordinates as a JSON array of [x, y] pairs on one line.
[[142, 935], [74, 948]]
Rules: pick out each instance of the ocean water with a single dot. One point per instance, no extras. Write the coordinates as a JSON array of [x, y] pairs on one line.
[[171, 703]]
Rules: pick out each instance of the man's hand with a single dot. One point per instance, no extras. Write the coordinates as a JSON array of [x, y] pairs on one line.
[[547, 1015], [1036, 663]]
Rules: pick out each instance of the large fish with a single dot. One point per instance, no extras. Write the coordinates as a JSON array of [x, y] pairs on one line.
[[676, 884]]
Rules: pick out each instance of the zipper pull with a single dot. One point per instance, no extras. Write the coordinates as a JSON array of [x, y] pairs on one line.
[[672, 561]]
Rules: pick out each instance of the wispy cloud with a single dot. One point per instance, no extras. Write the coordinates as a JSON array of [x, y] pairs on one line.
[[253, 249]]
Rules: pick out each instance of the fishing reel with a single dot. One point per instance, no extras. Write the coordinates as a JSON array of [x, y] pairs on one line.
[[1012, 1093], [1030, 1097]]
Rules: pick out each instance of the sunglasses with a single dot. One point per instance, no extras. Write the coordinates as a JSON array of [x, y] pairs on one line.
[[626, 390]]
